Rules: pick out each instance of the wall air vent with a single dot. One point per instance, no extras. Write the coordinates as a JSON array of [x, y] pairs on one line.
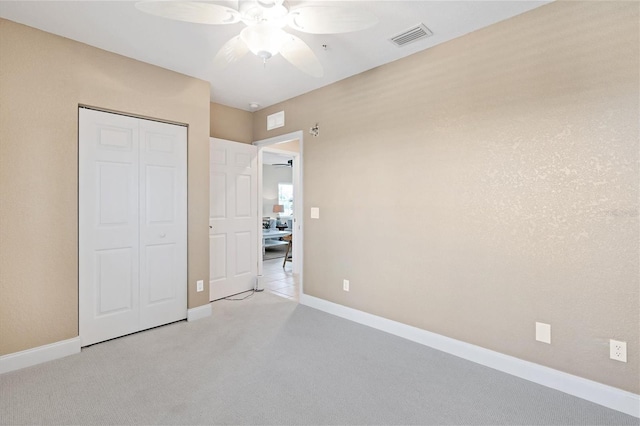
[[413, 34], [275, 120]]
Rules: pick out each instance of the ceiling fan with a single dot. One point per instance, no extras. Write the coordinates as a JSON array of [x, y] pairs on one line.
[[289, 163], [265, 19]]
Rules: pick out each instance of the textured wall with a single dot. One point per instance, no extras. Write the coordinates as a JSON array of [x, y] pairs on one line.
[[43, 78], [485, 184], [230, 123], [293, 146]]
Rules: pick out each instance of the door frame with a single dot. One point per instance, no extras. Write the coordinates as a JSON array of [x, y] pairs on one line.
[[298, 200]]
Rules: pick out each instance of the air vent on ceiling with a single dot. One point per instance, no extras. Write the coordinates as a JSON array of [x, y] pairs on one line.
[[413, 34]]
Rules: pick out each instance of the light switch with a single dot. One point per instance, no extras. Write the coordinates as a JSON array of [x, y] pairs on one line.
[[543, 332], [315, 212]]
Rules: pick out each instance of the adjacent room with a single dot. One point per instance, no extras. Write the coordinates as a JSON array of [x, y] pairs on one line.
[[277, 202], [278, 221], [320, 212]]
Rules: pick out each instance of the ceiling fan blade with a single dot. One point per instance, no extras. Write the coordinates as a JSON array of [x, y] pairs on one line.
[[232, 51], [330, 19], [301, 56], [196, 12]]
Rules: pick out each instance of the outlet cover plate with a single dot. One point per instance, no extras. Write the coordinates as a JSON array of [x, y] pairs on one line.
[[199, 286], [345, 285], [618, 350]]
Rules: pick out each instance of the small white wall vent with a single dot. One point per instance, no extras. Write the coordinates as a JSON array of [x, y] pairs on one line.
[[275, 120], [413, 34]]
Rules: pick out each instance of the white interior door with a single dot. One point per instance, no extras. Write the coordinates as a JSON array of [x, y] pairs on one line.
[[233, 218], [129, 195]]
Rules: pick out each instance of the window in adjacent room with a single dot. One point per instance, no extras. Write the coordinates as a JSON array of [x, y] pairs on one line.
[[285, 197]]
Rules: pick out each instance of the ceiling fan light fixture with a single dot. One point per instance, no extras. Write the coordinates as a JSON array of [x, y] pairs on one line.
[[263, 39]]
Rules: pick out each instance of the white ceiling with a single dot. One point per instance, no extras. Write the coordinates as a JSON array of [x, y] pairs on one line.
[[119, 27]]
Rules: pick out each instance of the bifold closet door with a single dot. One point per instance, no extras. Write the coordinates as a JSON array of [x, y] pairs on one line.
[[163, 223], [132, 224]]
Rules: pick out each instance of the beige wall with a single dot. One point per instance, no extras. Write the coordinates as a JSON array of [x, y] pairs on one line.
[[293, 146], [230, 123], [486, 184], [43, 78]]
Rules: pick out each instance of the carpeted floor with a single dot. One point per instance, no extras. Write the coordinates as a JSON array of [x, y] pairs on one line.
[[267, 360]]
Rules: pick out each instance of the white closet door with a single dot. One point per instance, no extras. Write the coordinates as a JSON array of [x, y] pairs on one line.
[[132, 225], [233, 218], [163, 223], [108, 226]]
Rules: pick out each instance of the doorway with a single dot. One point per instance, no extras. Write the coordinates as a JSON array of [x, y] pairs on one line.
[[280, 168], [277, 204]]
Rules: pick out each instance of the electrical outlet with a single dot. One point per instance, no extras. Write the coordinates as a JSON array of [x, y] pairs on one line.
[[618, 350], [543, 332], [345, 285], [199, 285]]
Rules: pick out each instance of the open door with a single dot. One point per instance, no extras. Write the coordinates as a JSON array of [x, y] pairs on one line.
[[233, 218]]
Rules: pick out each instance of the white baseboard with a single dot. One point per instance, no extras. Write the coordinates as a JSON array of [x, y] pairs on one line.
[[199, 312], [29, 357], [608, 396]]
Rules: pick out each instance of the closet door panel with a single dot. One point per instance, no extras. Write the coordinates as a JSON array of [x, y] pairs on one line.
[[115, 284], [163, 223], [108, 226]]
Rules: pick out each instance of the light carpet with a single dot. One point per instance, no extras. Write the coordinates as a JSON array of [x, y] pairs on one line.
[[267, 360]]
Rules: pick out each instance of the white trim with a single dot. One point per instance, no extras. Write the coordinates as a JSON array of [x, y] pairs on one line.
[[34, 356], [199, 312], [282, 138], [298, 217], [260, 208], [608, 396]]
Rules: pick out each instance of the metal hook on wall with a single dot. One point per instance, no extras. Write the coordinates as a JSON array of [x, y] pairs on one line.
[[315, 130]]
